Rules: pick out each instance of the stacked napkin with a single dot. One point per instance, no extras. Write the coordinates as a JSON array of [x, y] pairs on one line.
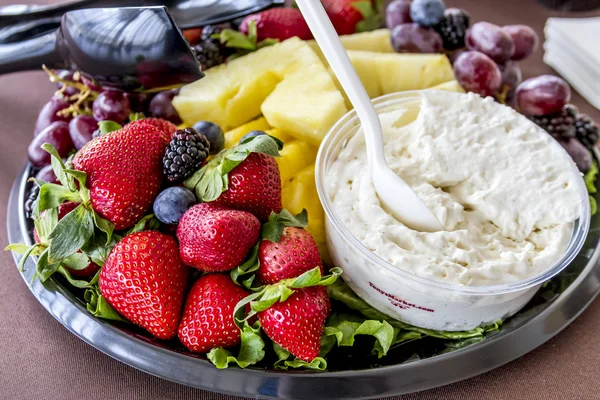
[[572, 48]]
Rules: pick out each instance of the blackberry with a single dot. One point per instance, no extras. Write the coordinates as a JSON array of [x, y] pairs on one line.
[[587, 131], [560, 125], [209, 51], [185, 154], [33, 194], [453, 28]]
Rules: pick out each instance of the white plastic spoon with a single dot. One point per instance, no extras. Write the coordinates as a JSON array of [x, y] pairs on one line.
[[395, 195]]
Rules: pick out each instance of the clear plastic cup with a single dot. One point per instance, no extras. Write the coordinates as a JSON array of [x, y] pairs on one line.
[[407, 297]]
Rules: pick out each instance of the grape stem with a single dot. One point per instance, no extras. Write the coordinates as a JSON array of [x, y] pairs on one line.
[[82, 99]]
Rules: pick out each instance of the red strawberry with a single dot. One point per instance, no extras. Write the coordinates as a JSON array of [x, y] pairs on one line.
[[254, 186], [278, 23], [296, 253], [124, 172], [213, 238], [193, 35], [63, 210], [297, 324], [343, 15], [144, 280], [163, 125], [207, 321]]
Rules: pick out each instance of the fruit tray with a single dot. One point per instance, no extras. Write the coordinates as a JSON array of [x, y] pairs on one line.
[[353, 373]]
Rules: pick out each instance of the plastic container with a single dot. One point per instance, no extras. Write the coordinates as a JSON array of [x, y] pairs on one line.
[[419, 301]]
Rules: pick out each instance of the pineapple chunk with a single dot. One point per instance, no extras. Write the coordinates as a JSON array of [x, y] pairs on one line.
[[233, 136], [279, 134], [294, 157], [232, 94], [378, 41], [305, 104], [301, 193], [452, 86]]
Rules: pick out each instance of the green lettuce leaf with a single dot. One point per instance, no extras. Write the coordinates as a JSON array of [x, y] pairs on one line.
[[590, 178], [99, 306], [251, 349], [285, 360]]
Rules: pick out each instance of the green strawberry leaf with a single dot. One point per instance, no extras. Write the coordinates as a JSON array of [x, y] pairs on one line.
[[211, 180], [244, 275], [372, 16], [45, 269], [97, 249], [45, 224], [81, 177], [104, 225], [365, 8], [52, 195], [28, 252], [280, 292], [147, 223], [19, 248], [57, 165], [76, 261], [251, 349], [285, 360], [99, 306], [273, 229], [267, 42], [108, 127], [136, 116], [593, 206], [78, 283], [590, 178], [235, 39], [70, 234]]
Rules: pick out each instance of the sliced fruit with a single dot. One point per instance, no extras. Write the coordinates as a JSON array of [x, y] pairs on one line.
[[451, 86], [294, 157], [281, 135], [299, 193], [233, 136], [232, 95], [377, 41], [305, 105]]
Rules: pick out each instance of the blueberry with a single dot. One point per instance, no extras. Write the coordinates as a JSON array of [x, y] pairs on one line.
[[213, 133], [172, 203], [427, 12], [251, 134]]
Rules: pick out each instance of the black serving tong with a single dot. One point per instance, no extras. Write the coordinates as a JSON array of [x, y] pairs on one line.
[[22, 22], [133, 49]]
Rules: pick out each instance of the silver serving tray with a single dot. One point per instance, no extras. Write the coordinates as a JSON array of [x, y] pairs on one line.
[[352, 375]]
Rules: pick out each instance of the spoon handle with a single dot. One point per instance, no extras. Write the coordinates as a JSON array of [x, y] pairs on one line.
[[30, 54], [338, 59]]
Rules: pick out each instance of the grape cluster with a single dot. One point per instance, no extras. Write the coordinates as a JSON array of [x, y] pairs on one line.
[[70, 119]]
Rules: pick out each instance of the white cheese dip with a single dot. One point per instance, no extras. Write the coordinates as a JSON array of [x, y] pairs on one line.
[[504, 190]]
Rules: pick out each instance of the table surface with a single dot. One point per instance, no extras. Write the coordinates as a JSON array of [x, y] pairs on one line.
[[40, 359]]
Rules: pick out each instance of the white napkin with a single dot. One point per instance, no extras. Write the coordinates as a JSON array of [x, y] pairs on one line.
[[572, 48]]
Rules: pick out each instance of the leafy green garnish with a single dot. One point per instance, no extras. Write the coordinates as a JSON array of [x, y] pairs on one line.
[[273, 229], [241, 43], [244, 275], [108, 126], [99, 306], [590, 178], [285, 360], [251, 349], [211, 180]]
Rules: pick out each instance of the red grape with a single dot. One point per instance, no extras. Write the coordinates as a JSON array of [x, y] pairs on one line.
[[161, 106], [491, 40], [111, 105], [412, 38], [545, 94], [91, 84], [579, 154], [477, 73], [525, 39], [139, 101], [511, 75], [397, 13], [57, 134], [46, 174], [48, 114], [81, 129], [68, 76]]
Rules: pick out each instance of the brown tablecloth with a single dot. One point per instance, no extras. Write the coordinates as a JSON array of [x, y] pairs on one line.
[[39, 359]]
